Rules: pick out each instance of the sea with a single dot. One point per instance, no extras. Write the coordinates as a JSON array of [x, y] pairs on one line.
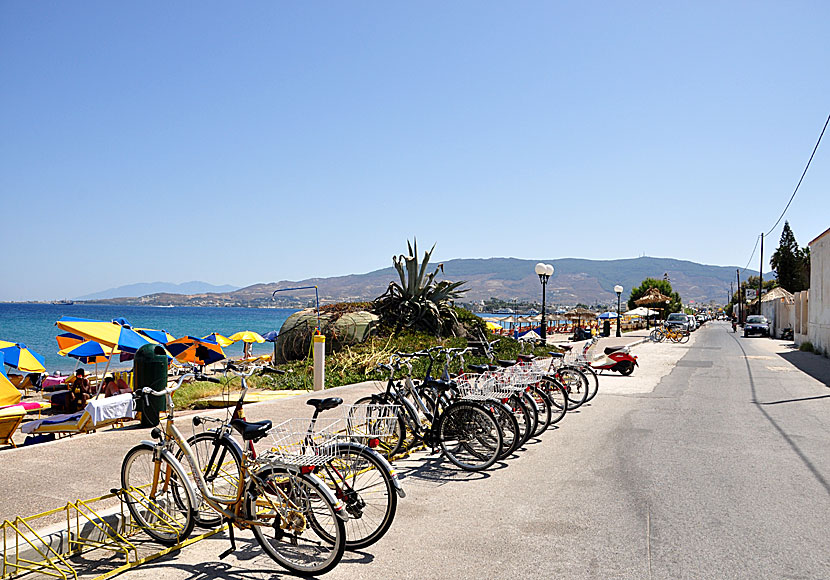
[[34, 325]]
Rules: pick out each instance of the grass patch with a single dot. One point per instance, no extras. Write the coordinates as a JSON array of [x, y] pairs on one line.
[[806, 346]]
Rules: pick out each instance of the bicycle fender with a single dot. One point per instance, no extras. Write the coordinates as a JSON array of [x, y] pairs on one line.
[[382, 460], [339, 506]]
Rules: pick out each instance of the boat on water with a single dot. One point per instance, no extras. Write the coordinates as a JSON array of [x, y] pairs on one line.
[[63, 302]]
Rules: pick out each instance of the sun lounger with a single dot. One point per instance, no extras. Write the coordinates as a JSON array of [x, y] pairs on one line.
[[98, 413], [29, 406], [10, 419]]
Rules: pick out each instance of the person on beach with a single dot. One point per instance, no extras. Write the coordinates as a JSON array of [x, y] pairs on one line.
[[114, 387]]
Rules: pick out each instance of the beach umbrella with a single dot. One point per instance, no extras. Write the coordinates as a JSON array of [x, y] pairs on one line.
[[9, 395], [271, 336], [492, 325], [117, 334], [607, 315], [89, 352], [219, 339], [68, 339], [160, 336], [113, 334], [19, 356], [246, 336], [195, 350]]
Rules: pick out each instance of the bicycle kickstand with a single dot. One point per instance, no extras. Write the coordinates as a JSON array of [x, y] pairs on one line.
[[232, 549]]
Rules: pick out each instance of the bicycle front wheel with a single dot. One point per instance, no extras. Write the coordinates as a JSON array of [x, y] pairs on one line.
[[296, 520], [362, 482], [576, 386], [220, 463], [392, 443], [158, 495], [469, 436]]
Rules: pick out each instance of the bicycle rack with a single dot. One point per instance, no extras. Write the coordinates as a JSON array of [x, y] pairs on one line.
[[86, 529]]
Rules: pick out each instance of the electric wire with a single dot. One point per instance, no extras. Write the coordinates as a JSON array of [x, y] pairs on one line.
[[757, 239], [802, 177]]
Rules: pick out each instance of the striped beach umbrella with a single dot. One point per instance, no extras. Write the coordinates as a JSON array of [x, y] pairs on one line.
[[195, 350], [160, 336], [222, 341], [89, 352], [68, 339], [19, 356], [115, 334]]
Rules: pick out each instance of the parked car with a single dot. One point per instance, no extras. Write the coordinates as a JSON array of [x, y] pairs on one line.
[[678, 319], [701, 318], [756, 324], [692, 322]]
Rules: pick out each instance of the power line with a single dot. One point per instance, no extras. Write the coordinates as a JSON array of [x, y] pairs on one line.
[[758, 239], [802, 177]]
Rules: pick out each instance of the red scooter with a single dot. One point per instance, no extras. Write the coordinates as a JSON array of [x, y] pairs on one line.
[[617, 358]]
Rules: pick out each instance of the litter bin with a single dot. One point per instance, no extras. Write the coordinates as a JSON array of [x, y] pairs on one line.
[[150, 370], [606, 328]]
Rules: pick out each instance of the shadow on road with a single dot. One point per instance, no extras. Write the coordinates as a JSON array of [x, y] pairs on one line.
[[796, 449], [797, 400], [814, 365]]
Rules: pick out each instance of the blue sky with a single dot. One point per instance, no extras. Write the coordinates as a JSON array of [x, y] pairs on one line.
[[254, 142]]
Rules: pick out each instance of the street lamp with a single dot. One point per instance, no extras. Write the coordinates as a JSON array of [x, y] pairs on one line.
[[544, 271], [618, 289]]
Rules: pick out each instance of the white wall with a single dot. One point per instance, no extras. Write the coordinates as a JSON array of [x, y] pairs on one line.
[[818, 331]]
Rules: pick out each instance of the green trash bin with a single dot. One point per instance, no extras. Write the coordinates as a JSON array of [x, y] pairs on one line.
[[150, 370]]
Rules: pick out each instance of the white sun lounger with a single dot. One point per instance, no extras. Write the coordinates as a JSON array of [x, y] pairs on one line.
[[98, 413]]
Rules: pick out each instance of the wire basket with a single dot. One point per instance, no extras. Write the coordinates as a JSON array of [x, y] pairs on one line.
[[371, 421], [524, 373], [293, 442], [484, 387]]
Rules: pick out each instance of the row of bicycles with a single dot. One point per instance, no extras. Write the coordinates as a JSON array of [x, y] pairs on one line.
[[309, 489], [670, 334]]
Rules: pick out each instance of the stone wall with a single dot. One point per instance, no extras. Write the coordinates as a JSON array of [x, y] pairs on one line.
[[818, 319]]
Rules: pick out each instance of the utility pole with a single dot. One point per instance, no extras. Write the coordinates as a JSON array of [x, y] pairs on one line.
[[761, 274], [731, 293], [740, 300]]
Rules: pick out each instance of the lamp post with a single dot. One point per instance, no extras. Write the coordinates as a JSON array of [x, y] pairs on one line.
[[544, 271], [618, 289]]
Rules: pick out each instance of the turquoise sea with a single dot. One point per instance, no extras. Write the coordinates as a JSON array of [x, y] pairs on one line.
[[34, 325]]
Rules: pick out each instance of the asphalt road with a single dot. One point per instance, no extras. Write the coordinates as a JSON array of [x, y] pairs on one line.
[[710, 461]]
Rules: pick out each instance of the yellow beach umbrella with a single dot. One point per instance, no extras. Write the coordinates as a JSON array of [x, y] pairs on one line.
[[492, 325], [219, 339], [247, 336], [19, 356]]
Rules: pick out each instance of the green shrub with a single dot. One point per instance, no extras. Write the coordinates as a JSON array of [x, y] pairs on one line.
[[806, 346]]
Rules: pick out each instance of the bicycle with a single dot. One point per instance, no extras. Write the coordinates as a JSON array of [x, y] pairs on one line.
[[361, 478], [467, 432], [294, 516]]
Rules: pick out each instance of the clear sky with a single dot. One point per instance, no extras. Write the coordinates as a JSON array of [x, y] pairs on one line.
[[238, 143]]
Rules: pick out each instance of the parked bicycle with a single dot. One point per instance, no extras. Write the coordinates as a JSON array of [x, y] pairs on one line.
[[292, 513]]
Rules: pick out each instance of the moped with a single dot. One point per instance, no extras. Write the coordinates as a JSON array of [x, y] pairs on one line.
[[617, 358]]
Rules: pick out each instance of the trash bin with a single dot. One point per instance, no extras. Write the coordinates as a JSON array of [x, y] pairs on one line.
[[606, 328], [150, 370]]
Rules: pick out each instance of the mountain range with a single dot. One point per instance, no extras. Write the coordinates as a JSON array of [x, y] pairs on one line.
[[146, 288], [574, 280]]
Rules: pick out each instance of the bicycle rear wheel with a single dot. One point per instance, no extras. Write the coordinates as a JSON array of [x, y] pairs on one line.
[[511, 436], [296, 521], [576, 386], [389, 445], [543, 410], [161, 502], [470, 436]]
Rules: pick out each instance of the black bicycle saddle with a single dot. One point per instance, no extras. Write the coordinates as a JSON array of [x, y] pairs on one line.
[[325, 404]]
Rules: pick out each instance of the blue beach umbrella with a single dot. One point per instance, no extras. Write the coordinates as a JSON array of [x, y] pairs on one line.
[[607, 315], [19, 356], [115, 334], [271, 336], [88, 352], [196, 350], [160, 336]]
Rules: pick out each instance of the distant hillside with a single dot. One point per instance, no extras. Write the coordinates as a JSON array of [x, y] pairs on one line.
[[574, 280], [145, 288]]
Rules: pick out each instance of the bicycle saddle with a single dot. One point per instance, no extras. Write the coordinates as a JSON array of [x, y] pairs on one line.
[[566, 347], [556, 354], [438, 384], [479, 368], [525, 357], [610, 349], [325, 404], [506, 363], [254, 430]]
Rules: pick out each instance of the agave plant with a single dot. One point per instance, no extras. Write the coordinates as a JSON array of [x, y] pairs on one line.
[[419, 302]]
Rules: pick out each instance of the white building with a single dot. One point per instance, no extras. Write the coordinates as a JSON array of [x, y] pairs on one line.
[[818, 300]]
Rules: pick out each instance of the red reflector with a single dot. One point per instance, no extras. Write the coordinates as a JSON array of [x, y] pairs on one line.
[[505, 400], [374, 443], [306, 469]]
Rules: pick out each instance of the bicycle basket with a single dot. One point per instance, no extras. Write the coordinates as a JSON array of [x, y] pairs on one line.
[[371, 421], [294, 443]]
